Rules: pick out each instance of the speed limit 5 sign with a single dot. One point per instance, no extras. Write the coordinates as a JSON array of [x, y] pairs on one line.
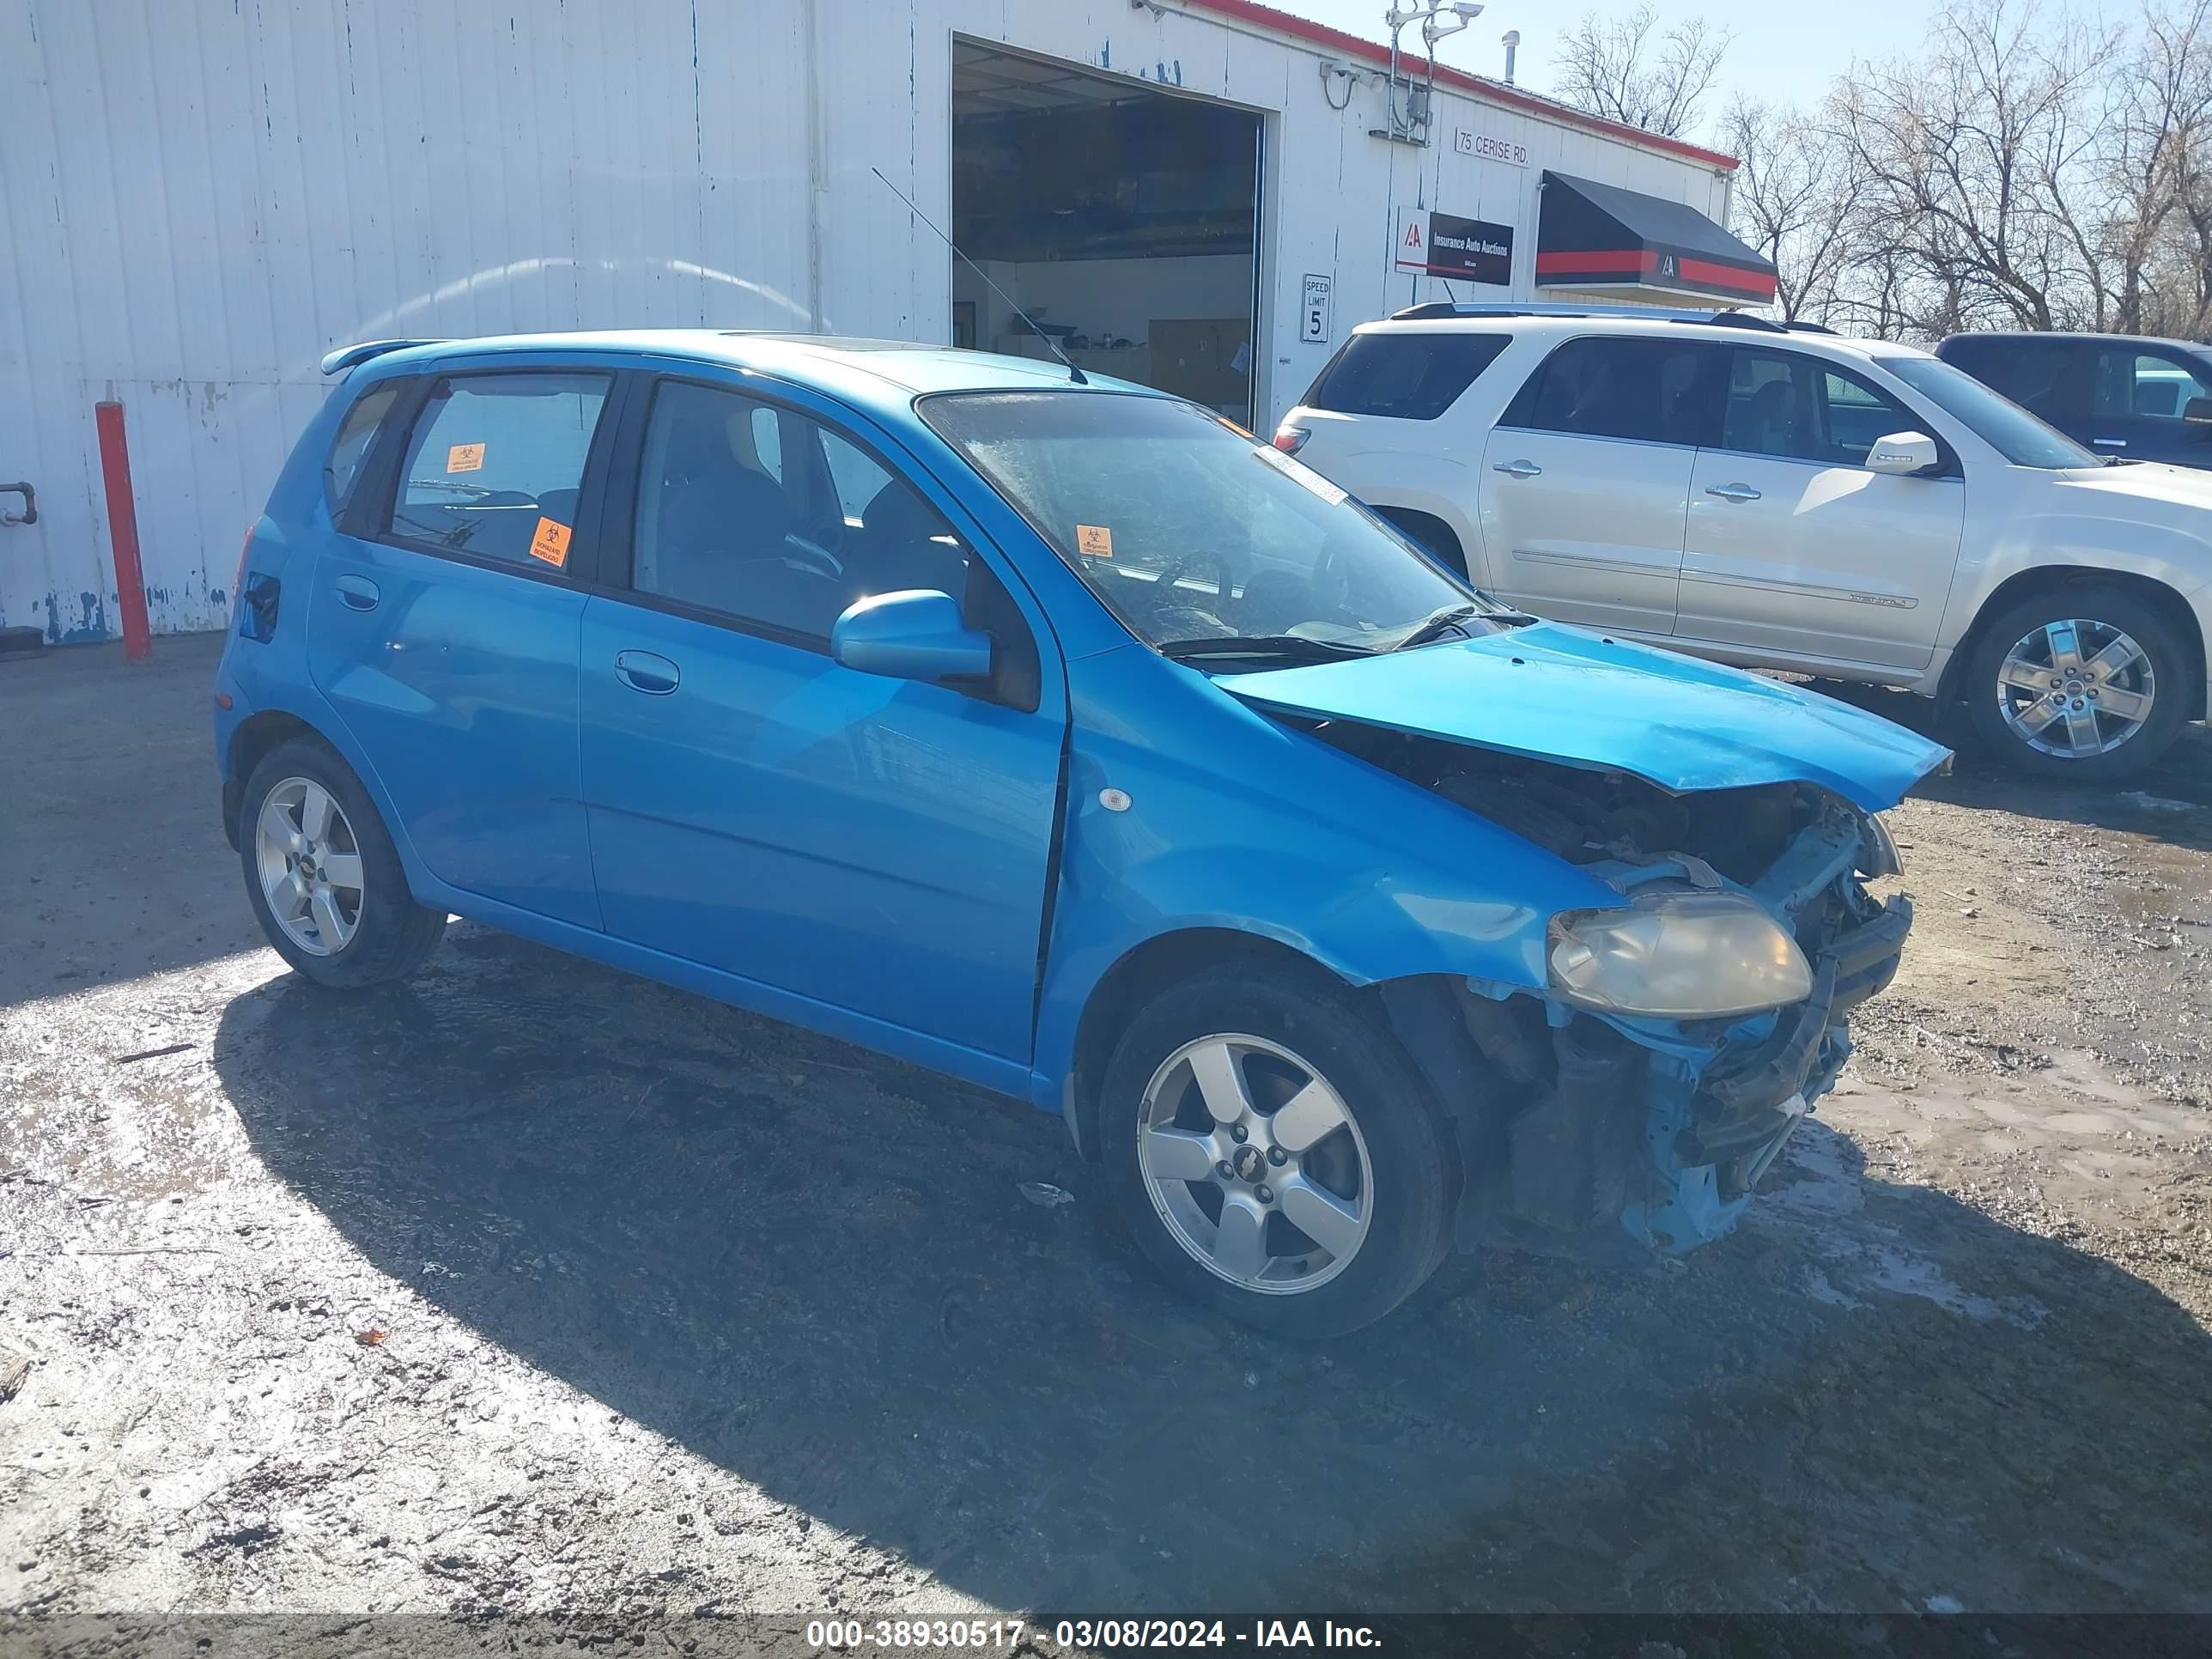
[[1313, 310]]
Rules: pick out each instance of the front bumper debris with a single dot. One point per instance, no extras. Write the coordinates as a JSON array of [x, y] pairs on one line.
[[1652, 1135]]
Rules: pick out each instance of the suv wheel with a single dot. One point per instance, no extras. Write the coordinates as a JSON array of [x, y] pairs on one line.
[[2085, 683], [1273, 1152], [323, 876]]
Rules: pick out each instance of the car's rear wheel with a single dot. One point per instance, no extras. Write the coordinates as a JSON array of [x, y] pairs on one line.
[[1273, 1151], [323, 876], [2085, 683]]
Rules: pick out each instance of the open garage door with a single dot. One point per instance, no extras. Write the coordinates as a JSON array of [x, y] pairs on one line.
[[1122, 219]]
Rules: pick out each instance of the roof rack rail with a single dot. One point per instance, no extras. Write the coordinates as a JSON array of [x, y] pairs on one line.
[[1432, 309], [353, 355]]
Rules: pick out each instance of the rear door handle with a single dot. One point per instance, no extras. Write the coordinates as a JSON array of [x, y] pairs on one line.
[[358, 592], [1738, 492], [646, 671], [1517, 468]]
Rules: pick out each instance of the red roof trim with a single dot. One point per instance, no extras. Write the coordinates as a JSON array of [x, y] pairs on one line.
[[1495, 92]]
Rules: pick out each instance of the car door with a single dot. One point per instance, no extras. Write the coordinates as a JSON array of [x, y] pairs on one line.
[[442, 627], [1795, 552], [2140, 397], [878, 845], [1586, 479]]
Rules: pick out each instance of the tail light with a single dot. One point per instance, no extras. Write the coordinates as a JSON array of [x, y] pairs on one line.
[[1291, 439]]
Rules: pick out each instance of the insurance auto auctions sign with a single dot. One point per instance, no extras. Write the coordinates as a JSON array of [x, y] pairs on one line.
[[1445, 245]]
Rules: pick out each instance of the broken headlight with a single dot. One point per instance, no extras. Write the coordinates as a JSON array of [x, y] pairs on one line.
[[1678, 954]]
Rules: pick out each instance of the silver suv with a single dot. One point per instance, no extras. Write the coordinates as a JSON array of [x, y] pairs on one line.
[[1781, 497]]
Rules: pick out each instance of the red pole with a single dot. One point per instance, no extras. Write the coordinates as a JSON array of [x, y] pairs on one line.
[[123, 532]]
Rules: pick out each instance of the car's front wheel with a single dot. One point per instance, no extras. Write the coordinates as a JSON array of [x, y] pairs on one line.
[[1273, 1151], [2087, 682], [325, 880]]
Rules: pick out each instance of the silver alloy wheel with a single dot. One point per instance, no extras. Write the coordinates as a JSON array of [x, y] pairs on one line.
[[310, 865], [1255, 1165], [2075, 689]]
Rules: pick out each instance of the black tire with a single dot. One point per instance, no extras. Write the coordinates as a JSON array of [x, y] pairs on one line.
[[393, 935], [1431, 533], [2170, 663], [1407, 1144]]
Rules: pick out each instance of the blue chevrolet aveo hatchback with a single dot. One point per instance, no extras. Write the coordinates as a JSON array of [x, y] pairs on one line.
[[1057, 735]]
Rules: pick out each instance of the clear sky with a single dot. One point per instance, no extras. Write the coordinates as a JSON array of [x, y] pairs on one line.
[[1785, 51]]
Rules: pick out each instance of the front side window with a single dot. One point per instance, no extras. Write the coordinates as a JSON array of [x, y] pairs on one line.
[[351, 448], [2138, 385], [1999, 422], [1798, 408], [1413, 376], [1652, 391], [767, 517], [496, 464], [1191, 532]]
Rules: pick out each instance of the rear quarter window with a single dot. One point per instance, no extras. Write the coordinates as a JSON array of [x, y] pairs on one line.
[[341, 467], [1407, 377]]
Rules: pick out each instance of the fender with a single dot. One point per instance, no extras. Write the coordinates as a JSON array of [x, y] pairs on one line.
[[1291, 841]]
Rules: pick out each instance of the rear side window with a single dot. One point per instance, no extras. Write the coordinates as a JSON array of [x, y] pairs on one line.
[[2047, 378], [495, 464], [1652, 391], [1408, 377], [351, 448]]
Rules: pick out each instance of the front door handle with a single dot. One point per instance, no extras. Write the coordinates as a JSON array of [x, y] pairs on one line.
[[358, 592], [1736, 492], [646, 671], [1517, 468]]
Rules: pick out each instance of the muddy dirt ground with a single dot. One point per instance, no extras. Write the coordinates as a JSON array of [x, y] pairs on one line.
[[533, 1286]]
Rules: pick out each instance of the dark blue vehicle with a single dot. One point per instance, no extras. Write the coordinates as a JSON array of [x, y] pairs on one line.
[[1060, 738], [2125, 396]]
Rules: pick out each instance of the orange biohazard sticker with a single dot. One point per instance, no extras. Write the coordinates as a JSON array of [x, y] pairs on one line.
[[550, 544], [1094, 541], [464, 457]]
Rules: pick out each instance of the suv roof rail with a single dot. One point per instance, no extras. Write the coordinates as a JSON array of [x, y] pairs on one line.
[[1431, 310], [353, 355]]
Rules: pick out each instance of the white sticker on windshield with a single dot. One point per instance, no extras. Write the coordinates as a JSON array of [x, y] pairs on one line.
[[1299, 471]]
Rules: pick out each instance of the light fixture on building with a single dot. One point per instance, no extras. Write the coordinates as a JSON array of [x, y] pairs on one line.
[[1410, 99]]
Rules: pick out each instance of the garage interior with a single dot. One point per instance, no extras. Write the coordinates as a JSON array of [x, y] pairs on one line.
[[1123, 220]]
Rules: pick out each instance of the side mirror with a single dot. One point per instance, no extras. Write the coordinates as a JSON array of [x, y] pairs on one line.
[[916, 634], [2197, 409], [1902, 454]]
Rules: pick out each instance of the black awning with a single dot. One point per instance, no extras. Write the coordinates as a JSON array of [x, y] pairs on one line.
[[1591, 235]]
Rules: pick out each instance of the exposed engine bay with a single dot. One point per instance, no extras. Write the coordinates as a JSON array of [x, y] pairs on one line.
[[1604, 1134], [1589, 817]]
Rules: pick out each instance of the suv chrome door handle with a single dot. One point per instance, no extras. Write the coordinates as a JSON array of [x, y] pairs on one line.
[[2116, 443], [646, 671], [358, 592], [1733, 492], [1517, 468]]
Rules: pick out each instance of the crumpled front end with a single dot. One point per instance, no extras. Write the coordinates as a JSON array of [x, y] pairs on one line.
[[1615, 1131]]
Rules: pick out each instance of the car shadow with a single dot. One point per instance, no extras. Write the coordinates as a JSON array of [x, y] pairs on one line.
[[2170, 801], [815, 1268]]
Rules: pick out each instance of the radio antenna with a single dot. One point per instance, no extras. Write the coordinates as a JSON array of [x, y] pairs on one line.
[[1052, 345]]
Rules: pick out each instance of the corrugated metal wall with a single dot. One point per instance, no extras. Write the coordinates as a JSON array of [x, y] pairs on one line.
[[201, 197]]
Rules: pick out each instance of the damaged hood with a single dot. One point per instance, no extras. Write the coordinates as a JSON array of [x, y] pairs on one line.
[[1559, 694]]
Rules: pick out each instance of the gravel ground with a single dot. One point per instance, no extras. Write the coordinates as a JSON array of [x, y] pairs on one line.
[[531, 1286]]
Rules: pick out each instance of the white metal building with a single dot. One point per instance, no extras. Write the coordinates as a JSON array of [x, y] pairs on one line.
[[201, 198]]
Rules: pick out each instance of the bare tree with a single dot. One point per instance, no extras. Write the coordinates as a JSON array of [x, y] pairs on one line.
[[1616, 67], [1795, 199], [1976, 164], [2159, 176]]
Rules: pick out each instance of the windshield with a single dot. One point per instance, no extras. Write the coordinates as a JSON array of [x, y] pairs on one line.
[[1995, 419], [1192, 533]]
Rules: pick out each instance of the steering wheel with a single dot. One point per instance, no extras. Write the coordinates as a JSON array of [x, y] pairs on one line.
[[816, 550], [1174, 571]]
